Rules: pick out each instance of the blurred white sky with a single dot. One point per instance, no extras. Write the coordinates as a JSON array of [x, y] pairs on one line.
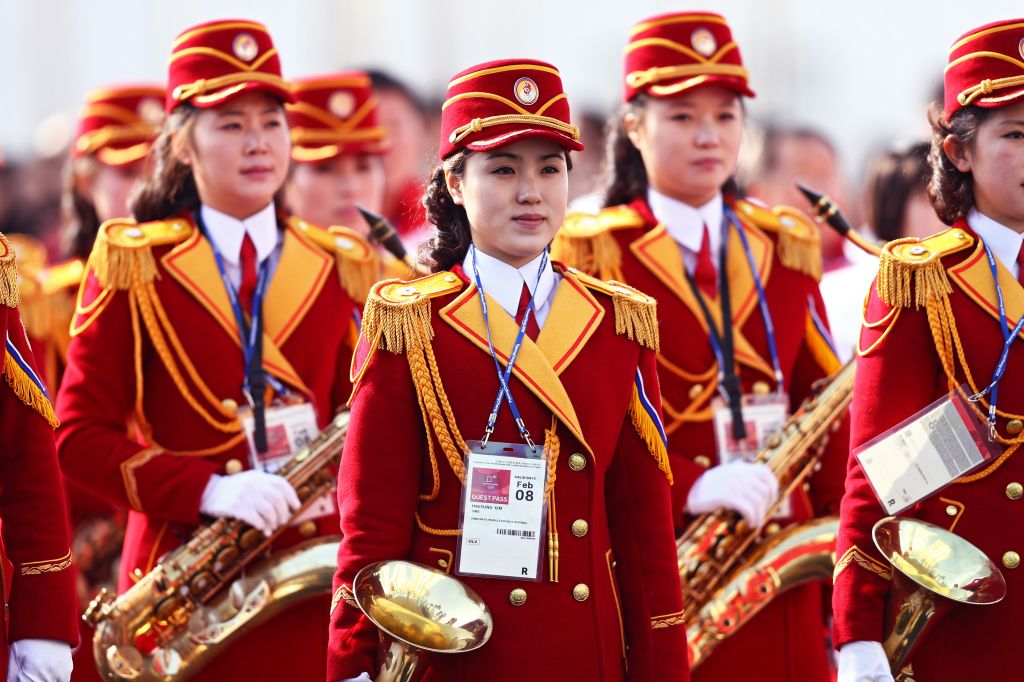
[[861, 71]]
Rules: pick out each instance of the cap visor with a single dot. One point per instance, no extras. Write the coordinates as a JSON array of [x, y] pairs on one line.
[[226, 94], [526, 133], [674, 87]]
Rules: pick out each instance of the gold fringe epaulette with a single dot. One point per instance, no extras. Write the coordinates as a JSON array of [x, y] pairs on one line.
[[10, 289], [397, 313], [123, 254], [585, 240], [797, 237], [359, 266], [636, 313], [910, 270]]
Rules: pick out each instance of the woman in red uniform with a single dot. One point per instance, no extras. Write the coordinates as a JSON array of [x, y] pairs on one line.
[[942, 331], [602, 602], [160, 344], [39, 616], [676, 228]]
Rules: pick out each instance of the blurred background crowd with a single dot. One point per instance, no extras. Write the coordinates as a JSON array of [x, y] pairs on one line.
[[842, 90]]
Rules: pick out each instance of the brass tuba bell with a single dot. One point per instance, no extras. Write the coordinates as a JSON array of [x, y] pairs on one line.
[[935, 571], [419, 611]]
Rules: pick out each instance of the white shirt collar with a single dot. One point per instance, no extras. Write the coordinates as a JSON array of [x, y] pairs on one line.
[[227, 232], [685, 223], [1004, 242], [504, 283]]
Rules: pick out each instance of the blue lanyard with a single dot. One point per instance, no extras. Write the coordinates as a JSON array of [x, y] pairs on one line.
[[503, 377], [993, 388], [251, 334], [762, 300]]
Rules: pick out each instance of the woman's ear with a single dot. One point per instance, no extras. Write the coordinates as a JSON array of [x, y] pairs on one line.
[[454, 184], [631, 122], [958, 153], [181, 151]]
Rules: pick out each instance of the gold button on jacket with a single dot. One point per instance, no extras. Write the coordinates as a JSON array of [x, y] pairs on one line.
[[581, 592], [577, 462], [1014, 491], [233, 466], [1011, 559], [517, 596], [580, 528]]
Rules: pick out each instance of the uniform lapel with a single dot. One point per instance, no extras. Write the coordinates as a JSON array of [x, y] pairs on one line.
[[192, 264], [533, 367], [974, 277]]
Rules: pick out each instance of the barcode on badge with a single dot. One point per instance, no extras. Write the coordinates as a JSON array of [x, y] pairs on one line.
[[525, 534]]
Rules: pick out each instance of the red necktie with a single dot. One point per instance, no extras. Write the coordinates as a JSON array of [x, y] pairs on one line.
[[1020, 264], [704, 273], [248, 261], [532, 328]]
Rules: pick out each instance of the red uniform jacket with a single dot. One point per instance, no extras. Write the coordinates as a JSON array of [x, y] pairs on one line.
[[155, 345], [627, 243], [399, 497], [900, 372], [42, 602]]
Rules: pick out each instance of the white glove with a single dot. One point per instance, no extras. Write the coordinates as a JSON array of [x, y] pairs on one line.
[[365, 677], [264, 501], [745, 487], [39, 660], [863, 662]]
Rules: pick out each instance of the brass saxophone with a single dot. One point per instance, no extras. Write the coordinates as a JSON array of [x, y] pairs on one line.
[[179, 616], [727, 571]]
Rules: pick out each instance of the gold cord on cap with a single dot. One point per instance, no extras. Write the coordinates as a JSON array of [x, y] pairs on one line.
[[478, 124]]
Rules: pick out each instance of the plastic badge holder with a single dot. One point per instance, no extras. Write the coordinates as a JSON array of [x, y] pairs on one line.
[[503, 514], [926, 452]]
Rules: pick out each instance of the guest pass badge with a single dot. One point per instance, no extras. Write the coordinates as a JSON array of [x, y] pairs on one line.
[[289, 428], [503, 511], [925, 452], [763, 415]]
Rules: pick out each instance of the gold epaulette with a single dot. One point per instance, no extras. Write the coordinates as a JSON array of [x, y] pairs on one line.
[[910, 270], [585, 240], [10, 292], [359, 266], [636, 313], [797, 237], [397, 313], [123, 254]]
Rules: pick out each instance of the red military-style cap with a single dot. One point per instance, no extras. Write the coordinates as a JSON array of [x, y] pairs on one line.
[[670, 53], [492, 104], [335, 115], [985, 67], [119, 123], [213, 62]]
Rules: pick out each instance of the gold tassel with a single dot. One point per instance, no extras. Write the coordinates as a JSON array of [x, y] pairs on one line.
[[552, 446], [650, 434], [27, 390], [597, 254], [358, 275], [902, 284], [637, 319], [800, 254], [400, 327], [114, 264], [10, 292]]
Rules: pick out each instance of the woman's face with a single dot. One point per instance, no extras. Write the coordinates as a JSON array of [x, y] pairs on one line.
[[690, 142], [327, 192], [995, 159], [108, 188], [239, 153], [515, 197]]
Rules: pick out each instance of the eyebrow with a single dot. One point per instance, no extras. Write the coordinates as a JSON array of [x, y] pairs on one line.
[[1012, 122], [502, 155]]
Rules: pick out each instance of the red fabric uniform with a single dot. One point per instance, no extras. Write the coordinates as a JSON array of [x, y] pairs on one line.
[[42, 601], [399, 497], [900, 372], [786, 638], [119, 374]]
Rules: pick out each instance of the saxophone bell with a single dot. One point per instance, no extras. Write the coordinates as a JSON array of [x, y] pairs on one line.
[[419, 612], [935, 570]]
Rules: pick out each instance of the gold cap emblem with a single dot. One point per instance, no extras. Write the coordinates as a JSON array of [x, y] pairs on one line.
[[151, 111], [341, 103], [526, 91], [245, 47], [704, 42]]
